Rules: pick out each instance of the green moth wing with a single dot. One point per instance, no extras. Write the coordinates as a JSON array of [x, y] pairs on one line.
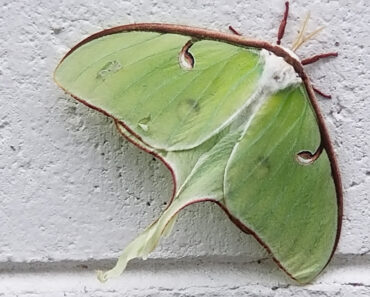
[[169, 107], [281, 199], [240, 127]]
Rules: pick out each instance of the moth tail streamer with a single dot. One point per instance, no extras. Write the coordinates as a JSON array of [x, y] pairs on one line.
[[146, 242]]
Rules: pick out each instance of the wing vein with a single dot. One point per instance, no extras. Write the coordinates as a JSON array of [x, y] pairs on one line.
[[114, 52], [236, 85], [199, 74]]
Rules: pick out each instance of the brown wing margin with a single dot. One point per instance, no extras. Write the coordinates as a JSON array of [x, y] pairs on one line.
[[198, 33]]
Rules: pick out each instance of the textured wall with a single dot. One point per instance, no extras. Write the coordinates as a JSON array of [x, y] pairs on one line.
[[73, 193]]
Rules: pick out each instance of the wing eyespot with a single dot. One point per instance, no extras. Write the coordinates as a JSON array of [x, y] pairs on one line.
[[186, 59], [307, 158], [108, 69]]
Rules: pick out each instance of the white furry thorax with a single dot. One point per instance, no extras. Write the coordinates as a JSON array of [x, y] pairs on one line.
[[277, 73]]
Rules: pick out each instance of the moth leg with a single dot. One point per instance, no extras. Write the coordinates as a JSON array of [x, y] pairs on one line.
[[283, 23], [231, 28], [315, 58], [327, 96]]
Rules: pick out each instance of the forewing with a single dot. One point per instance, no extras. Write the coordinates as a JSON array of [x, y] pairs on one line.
[[291, 207], [136, 78]]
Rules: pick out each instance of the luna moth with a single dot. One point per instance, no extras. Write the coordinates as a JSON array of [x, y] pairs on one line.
[[236, 122]]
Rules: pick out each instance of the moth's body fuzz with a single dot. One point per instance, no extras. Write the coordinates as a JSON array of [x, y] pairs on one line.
[[277, 73]]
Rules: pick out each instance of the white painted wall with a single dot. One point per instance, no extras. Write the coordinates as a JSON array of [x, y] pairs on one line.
[[73, 193]]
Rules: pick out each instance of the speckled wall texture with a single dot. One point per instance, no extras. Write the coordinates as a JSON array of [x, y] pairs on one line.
[[73, 193]]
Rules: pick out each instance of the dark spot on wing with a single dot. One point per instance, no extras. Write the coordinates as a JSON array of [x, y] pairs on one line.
[[108, 69], [263, 167], [144, 123], [187, 108]]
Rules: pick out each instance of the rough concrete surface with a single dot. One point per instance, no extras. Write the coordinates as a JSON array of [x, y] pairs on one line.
[[73, 193]]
